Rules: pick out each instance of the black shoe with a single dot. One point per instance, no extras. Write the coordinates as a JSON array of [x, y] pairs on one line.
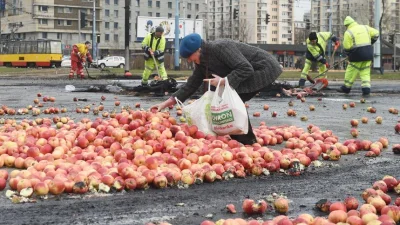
[[366, 91], [344, 89], [302, 82]]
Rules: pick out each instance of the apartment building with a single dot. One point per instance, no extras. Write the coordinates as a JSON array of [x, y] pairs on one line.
[[59, 19], [281, 25], [44, 19], [361, 10], [250, 24]]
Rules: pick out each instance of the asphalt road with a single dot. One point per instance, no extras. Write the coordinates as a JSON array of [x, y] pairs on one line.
[[334, 181]]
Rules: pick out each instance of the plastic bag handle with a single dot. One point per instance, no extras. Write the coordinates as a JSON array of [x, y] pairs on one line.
[[179, 103], [219, 83]]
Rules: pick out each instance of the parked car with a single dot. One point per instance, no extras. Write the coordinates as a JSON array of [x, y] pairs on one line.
[[66, 61], [110, 61]]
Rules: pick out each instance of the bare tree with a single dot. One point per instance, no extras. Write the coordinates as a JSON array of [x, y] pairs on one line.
[[244, 31], [300, 35]]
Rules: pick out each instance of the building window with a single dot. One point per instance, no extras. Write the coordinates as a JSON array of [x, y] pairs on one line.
[[169, 15], [107, 13], [189, 6], [43, 8], [43, 21], [157, 14], [189, 16], [116, 38], [44, 35], [107, 2], [274, 39], [137, 3], [67, 10], [69, 22], [138, 13], [115, 25], [150, 3], [116, 13], [275, 24], [60, 10], [158, 4], [106, 37], [115, 2], [60, 22], [196, 7], [150, 14], [107, 25], [59, 36], [169, 5]]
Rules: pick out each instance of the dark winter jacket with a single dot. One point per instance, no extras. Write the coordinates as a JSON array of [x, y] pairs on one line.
[[248, 68]]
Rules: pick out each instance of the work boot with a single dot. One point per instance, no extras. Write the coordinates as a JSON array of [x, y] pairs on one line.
[[302, 82], [344, 89], [366, 91]]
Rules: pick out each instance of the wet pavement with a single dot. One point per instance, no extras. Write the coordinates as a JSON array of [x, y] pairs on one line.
[[334, 180]]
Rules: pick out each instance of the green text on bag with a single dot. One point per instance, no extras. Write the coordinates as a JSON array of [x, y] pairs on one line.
[[222, 118]]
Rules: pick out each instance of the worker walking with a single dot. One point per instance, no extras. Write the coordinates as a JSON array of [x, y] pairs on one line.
[[79, 55], [316, 45], [154, 46], [357, 44]]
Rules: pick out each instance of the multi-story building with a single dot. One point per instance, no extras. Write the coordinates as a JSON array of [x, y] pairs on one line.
[[44, 19], [250, 25], [281, 27], [301, 31], [361, 10], [59, 19]]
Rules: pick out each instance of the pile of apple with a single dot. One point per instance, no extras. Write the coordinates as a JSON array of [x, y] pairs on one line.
[[137, 149], [376, 210]]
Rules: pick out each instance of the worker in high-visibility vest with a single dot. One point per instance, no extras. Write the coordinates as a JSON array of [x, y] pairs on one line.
[[316, 46], [79, 54], [154, 47], [358, 40]]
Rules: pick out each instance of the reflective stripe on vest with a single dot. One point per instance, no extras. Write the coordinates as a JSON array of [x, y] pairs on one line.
[[322, 37], [353, 38]]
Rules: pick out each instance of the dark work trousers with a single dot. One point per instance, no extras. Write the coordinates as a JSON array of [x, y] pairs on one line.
[[249, 138]]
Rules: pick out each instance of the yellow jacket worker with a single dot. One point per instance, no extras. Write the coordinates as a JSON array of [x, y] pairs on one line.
[[154, 45], [316, 46], [358, 40]]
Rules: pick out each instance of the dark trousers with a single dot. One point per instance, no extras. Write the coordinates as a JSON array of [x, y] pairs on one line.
[[249, 138]]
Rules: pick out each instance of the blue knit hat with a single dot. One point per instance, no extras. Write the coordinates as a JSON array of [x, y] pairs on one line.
[[189, 45]]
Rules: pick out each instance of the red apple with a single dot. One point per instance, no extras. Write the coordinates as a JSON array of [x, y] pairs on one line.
[[256, 114]]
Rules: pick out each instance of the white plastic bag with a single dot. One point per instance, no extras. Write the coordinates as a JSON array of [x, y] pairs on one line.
[[69, 88], [228, 112], [198, 112]]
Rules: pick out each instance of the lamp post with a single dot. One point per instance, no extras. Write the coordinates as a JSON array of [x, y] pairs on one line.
[[176, 58], [94, 31]]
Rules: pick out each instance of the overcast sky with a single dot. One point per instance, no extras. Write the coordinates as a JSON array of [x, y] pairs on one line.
[[301, 6]]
